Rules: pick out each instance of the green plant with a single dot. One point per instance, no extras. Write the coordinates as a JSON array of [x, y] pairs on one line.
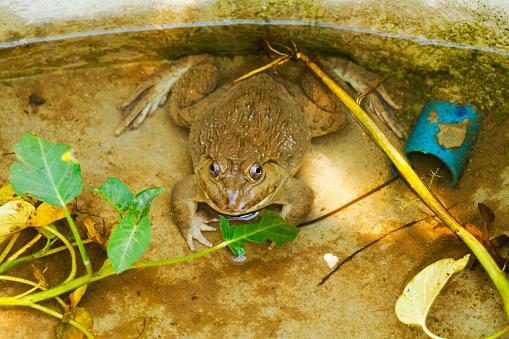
[[51, 173]]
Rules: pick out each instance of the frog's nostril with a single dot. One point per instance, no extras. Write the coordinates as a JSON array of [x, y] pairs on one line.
[[232, 197]]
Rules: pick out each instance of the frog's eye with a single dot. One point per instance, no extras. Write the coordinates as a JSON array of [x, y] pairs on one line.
[[214, 169], [255, 172]]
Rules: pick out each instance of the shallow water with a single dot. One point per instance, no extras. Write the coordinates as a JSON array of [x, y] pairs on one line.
[[273, 293]]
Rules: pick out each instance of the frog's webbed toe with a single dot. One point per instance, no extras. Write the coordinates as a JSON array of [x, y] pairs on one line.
[[191, 221], [385, 112], [363, 81], [154, 91], [198, 225]]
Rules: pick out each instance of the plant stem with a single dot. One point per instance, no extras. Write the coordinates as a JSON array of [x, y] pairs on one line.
[[71, 250], [77, 237], [60, 316], [6, 265], [181, 259], [104, 272], [491, 267], [31, 283], [24, 248], [61, 248], [9, 246]]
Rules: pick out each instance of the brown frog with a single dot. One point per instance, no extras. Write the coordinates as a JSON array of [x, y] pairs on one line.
[[246, 140]]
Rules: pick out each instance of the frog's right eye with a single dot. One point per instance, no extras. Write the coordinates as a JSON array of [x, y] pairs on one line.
[[214, 169]]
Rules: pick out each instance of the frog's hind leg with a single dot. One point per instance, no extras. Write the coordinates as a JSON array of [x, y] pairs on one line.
[[378, 101], [325, 112], [186, 101]]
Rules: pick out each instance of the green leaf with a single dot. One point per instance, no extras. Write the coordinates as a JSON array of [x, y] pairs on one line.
[[414, 304], [115, 193], [140, 205], [129, 240], [271, 227], [52, 173], [45, 233], [226, 231]]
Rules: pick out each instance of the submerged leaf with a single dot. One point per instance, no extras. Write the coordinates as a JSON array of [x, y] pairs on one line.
[[52, 174], [271, 227], [487, 217], [414, 304], [129, 240]]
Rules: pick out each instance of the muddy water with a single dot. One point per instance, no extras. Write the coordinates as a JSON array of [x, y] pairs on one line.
[[274, 293]]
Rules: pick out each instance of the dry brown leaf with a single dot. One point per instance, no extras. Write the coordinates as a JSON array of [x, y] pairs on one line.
[[40, 277], [474, 231]]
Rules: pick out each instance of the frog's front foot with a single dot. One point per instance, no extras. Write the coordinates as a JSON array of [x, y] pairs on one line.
[[199, 224], [154, 91], [378, 101], [191, 221]]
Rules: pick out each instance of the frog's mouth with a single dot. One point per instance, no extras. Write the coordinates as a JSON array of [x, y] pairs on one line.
[[247, 216], [239, 210]]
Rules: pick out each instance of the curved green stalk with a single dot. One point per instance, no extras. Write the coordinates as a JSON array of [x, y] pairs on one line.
[[24, 248], [71, 250], [31, 283], [60, 316], [7, 249]]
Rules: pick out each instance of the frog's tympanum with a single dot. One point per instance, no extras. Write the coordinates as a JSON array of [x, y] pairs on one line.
[[246, 140]]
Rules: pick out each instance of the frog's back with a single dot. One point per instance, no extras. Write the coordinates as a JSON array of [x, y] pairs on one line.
[[256, 118]]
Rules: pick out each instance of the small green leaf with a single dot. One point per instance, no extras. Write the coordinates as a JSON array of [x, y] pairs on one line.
[[129, 240], [52, 174], [414, 304], [225, 228], [45, 233], [271, 227], [226, 231], [139, 206], [115, 193]]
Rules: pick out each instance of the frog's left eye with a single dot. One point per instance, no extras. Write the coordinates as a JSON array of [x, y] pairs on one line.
[[214, 169], [255, 172]]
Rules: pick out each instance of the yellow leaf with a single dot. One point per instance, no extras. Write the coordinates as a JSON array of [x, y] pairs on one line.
[[80, 315], [75, 296], [13, 217], [96, 236], [6, 192], [45, 214], [414, 304]]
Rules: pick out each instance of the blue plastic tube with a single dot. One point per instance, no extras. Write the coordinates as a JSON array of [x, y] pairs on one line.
[[444, 134]]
